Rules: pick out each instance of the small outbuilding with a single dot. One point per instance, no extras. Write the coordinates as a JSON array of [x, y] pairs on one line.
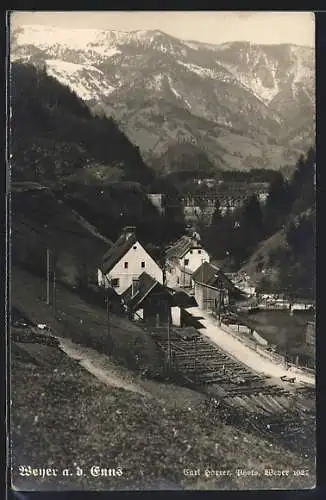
[[213, 289]]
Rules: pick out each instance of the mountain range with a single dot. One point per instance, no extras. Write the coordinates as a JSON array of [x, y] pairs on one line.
[[240, 105]]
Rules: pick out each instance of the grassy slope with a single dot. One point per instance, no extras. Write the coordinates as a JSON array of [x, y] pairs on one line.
[[40, 221], [79, 420], [62, 416], [85, 324], [261, 256]]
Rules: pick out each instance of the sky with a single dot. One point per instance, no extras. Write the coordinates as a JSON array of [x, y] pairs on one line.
[[204, 26]]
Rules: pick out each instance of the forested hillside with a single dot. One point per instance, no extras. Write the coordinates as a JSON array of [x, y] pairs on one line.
[[90, 164], [54, 134], [274, 242], [79, 164]]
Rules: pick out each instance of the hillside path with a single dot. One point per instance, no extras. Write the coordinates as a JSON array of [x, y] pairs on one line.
[[98, 365]]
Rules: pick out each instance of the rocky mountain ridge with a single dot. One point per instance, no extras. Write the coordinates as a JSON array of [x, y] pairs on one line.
[[242, 105]]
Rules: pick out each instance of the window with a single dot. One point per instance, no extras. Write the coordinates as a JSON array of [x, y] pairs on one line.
[[143, 264], [115, 282], [199, 251], [186, 262], [191, 251], [135, 248], [126, 265]]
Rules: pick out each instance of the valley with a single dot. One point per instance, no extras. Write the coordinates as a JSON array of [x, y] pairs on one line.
[[162, 227]]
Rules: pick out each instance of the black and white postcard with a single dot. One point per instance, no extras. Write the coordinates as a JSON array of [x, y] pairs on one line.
[[162, 250]]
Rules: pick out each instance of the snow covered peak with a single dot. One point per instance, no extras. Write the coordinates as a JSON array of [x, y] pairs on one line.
[[81, 39], [84, 80], [76, 45], [200, 91], [270, 73], [46, 36]]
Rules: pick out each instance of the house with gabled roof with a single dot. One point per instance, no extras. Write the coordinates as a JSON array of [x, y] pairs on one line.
[[148, 300], [125, 261], [182, 259], [213, 290]]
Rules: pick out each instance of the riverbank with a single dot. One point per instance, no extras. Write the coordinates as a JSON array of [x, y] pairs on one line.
[[242, 352], [287, 333]]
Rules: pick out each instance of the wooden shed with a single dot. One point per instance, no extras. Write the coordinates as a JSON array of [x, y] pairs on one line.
[[213, 289]]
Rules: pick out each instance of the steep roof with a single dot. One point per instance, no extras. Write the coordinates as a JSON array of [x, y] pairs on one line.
[[210, 275], [190, 320], [117, 251], [181, 247], [145, 284], [183, 300]]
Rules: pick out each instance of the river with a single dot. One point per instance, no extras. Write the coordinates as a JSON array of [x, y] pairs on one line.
[[282, 329]]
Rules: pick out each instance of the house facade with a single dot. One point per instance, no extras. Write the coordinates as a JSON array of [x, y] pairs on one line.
[[213, 291], [182, 260], [125, 261], [209, 297]]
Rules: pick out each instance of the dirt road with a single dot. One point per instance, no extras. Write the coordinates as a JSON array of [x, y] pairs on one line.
[[243, 353], [98, 365]]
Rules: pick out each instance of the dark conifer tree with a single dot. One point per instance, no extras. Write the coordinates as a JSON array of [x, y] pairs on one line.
[[251, 229], [278, 203]]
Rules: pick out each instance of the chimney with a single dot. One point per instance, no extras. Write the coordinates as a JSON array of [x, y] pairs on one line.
[[134, 287], [128, 231]]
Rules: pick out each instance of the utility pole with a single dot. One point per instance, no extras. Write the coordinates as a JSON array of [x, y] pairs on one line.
[[164, 263], [221, 298], [202, 282], [169, 340], [108, 314], [54, 289], [48, 276], [195, 363], [42, 276]]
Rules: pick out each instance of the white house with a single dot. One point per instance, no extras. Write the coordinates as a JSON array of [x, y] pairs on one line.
[[126, 260], [182, 260]]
